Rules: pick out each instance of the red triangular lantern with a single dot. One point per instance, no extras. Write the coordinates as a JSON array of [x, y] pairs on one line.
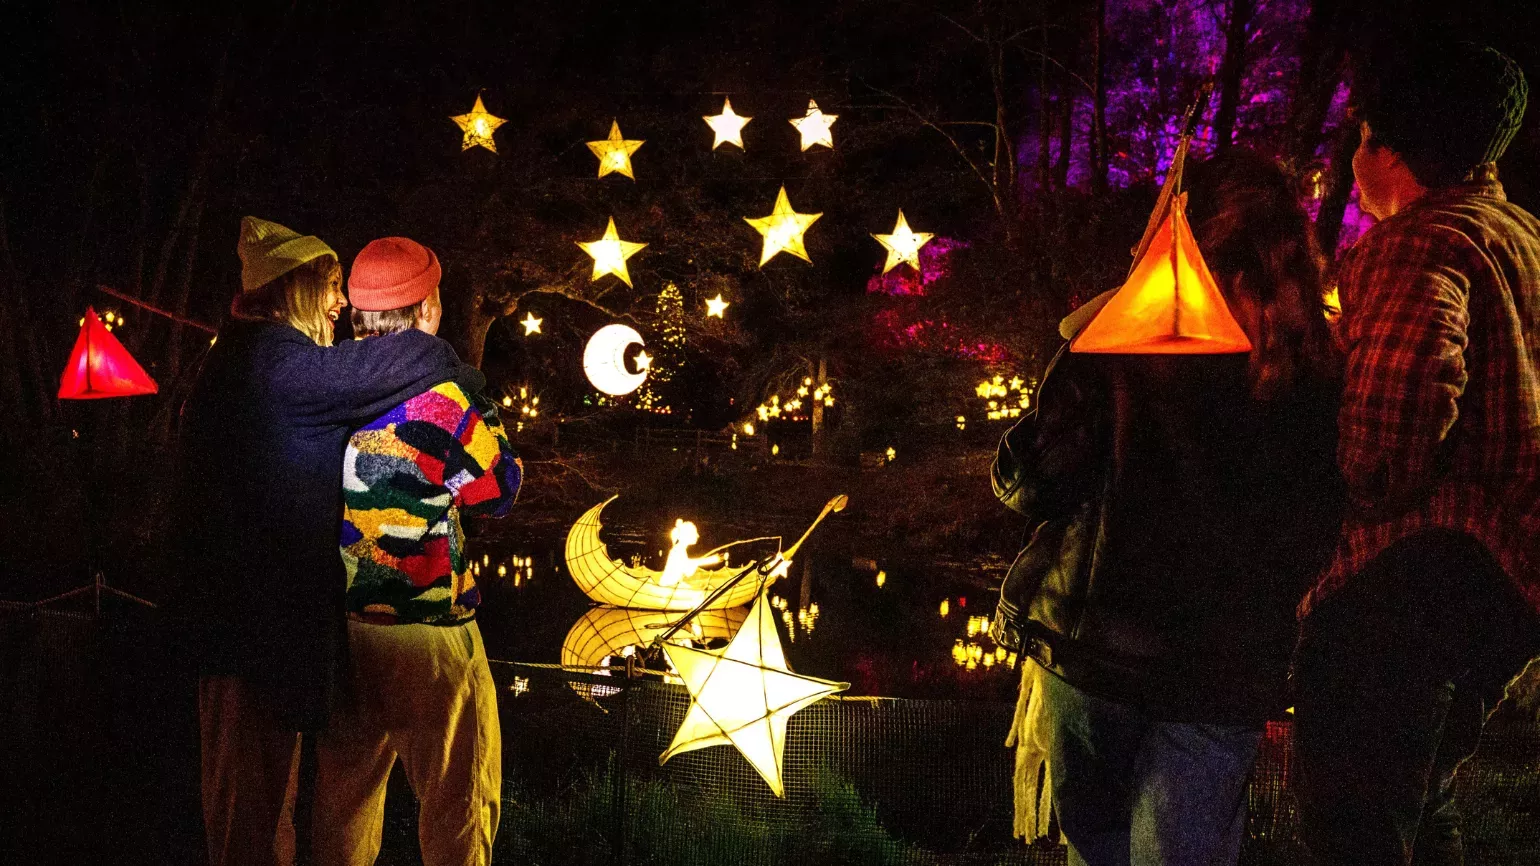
[[99, 366], [1170, 304]]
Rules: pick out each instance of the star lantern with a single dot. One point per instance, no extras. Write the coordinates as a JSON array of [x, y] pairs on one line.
[[783, 230], [478, 126], [903, 245], [531, 324], [610, 253], [743, 695], [814, 127], [99, 366], [727, 126], [1170, 304], [614, 153], [716, 306]]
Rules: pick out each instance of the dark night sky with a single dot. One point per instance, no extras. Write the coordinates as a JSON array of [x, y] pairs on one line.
[[334, 115]]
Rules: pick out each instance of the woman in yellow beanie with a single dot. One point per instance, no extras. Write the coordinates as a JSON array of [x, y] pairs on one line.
[[259, 510], [288, 277]]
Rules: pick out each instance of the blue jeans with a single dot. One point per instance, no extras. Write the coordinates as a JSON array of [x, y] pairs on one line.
[[1130, 790]]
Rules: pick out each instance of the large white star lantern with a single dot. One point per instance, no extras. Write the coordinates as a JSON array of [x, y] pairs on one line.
[[814, 127], [614, 153], [783, 230], [478, 126], [610, 253], [903, 245], [727, 127], [743, 695]]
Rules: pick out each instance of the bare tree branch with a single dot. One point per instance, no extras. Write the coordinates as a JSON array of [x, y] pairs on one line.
[[984, 178]]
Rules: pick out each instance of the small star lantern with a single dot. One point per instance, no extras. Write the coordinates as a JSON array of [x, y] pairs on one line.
[[783, 230], [716, 306], [903, 245], [743, 695], [610, 253], [727, 126], [478, 126], [531, 324], [814, 127], [614, 153]]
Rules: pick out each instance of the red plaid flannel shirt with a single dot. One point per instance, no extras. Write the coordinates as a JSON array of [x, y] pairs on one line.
[[1440, 418]]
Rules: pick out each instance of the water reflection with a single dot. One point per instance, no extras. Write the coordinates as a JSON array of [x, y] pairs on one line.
[[838, 619], [604, 636]]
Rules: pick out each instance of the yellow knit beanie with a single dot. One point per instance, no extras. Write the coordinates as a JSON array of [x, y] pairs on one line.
[[269, 250]]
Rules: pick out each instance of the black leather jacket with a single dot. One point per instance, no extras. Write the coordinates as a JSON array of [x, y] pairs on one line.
[[1174, 524]]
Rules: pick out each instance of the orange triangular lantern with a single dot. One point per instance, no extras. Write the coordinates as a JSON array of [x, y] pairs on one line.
[[100, 366], [1170, 304]]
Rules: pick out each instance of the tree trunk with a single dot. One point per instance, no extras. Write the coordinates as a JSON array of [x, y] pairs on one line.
[[12, 389], [1066, 112], [1231, 71], [1044, 115], [1099, 101], [471, 342], [1322, 53], [820, 433], [1005, 155], [1338, 189]]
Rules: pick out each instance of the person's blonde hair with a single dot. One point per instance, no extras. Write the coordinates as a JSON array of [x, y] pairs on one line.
[[296, 298]]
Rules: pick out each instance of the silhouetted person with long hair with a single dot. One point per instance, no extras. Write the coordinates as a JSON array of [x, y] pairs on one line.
[[1181, 503]]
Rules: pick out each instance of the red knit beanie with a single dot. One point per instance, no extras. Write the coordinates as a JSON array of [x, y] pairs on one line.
[[392, 273]]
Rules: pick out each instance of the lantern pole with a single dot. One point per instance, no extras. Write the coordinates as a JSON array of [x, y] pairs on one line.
[[1171, 187], [86, 433]]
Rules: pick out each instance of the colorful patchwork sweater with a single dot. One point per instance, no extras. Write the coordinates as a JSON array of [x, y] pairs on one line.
[[407, 478]]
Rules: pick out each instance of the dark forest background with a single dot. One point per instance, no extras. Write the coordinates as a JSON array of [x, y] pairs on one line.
[[1028, 136]]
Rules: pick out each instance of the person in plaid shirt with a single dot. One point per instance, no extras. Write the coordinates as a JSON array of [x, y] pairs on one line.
[[1429, 606]]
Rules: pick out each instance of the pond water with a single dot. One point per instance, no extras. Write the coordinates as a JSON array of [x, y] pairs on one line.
[[891, 630]]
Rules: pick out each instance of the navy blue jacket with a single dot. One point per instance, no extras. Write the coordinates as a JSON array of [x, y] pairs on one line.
[[259, 498]]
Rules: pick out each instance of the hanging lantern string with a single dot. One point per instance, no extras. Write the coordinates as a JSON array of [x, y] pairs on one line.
[[181, 320]]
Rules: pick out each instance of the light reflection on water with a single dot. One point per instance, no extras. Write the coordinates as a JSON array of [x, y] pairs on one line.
[[880, 628]]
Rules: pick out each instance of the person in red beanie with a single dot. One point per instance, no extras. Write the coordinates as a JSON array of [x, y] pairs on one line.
[[422, 689]]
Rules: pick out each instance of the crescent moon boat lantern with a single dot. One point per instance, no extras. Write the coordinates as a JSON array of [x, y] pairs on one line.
[[604, 360], [609, 581], [603, 633]]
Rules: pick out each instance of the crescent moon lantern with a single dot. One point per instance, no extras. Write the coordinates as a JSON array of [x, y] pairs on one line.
[[604, 360], [609, 581]]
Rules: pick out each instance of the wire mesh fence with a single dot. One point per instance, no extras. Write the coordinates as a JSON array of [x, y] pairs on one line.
[[868, 780]]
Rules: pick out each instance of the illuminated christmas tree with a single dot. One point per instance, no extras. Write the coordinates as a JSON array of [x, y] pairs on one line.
[[668, 353]]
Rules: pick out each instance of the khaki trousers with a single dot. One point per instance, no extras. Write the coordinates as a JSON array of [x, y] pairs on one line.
[[424, 693], [250, 769]]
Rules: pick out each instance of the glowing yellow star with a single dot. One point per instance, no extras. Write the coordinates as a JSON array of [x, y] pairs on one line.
[[643, 361], [615, 152], [478, 127], [743, 695], [814, 126], [610, 253], [903, 245], [716, 306], [727, 127], [783, 230], [531, 324]]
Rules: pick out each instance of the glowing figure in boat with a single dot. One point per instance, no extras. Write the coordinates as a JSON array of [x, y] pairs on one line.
[[680, 564]]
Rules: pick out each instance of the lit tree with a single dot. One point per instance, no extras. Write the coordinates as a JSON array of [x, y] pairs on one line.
[[667, 350]]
